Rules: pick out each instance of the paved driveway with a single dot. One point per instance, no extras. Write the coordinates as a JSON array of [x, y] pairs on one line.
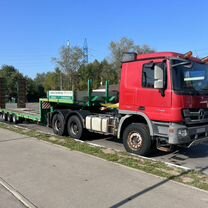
[[52, 176]]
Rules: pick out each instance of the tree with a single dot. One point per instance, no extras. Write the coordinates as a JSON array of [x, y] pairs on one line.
[[125, 45], [11, 76], [99, 72], [52, 81], [107, 73], [70, 60], [34, 90], [90, 71], [49, 80]]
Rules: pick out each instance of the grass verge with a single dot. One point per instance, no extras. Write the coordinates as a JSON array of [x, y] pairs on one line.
[[190, 177]]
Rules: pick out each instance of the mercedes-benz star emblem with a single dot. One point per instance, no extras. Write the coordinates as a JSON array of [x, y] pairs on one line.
[[201, 114]]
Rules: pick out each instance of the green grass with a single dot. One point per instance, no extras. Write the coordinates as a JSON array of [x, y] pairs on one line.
[[192, 178]]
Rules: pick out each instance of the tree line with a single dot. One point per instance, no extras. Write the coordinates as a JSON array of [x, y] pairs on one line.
[[70, 72]]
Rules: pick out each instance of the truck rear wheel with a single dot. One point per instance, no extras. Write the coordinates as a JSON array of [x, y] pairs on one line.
[[74, 127], [136, 139], [58, 124]]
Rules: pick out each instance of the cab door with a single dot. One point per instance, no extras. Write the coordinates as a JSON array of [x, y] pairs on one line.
[[155, 103]]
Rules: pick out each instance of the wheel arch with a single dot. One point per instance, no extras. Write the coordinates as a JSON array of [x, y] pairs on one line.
[[134, 118]]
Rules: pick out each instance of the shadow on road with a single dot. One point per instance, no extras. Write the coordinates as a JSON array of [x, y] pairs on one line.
[[132, 197], [198, 151]]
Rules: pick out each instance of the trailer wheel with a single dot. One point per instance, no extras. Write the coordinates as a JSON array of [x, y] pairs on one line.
[[4, 116], [9, 117], [74, 127], [58, 124], [14, 118], [136, 139]]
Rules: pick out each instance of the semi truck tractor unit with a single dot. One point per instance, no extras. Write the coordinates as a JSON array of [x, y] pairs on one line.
[[162, 102]]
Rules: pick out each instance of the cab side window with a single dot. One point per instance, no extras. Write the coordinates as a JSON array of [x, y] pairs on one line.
[[148, 77], [148, 74]]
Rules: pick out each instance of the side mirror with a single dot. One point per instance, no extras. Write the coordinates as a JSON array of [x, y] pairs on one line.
[[158, 77]]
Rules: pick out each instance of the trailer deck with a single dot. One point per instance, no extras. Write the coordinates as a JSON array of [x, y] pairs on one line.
[[25, 113], [31, 111]]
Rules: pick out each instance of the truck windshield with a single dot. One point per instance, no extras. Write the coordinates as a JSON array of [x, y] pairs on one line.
[[189, 78]]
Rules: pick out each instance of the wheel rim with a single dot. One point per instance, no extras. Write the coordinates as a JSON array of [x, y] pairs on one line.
[[135, 140], [74, 128]]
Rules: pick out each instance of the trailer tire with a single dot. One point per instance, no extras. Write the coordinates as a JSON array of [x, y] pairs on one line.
[[136, 139], [4, 116], [75, 127], [14, 119], [58, 124], [9, 117]]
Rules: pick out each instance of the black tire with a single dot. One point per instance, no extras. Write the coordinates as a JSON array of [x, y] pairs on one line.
[[58, 124], [75, 127], [14, 119], [9, 117], [4, 116], [136, 139]]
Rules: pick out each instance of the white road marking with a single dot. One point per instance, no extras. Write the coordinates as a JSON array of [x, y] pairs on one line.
[[16, 194]]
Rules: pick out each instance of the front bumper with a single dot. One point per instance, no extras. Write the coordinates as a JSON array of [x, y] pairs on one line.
[[180, 134]]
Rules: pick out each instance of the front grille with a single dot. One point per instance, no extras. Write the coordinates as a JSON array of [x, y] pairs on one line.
[[195, 116]]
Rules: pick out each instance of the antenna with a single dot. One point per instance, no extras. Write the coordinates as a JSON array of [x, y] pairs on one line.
[[85, 51]]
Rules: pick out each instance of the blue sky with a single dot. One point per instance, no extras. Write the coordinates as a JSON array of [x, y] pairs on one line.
[[32, 31]]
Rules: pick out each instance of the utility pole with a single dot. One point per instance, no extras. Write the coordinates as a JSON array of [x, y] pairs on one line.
[[85, 52], [67, 44]]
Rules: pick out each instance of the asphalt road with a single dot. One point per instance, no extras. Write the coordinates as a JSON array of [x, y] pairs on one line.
[[195, 157], [7, 200], [51, 176]]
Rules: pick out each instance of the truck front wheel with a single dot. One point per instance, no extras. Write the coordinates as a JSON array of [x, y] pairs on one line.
[[74, 127], [136, 139]]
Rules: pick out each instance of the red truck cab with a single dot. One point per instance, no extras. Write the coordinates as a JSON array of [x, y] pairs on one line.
[[169, 91]]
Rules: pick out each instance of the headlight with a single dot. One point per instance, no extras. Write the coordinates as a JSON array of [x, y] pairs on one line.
[[182, 132]]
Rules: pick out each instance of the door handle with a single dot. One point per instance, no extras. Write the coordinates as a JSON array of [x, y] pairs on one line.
[[141, 108]]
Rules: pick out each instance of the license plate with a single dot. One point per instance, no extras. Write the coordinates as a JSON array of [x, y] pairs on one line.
[[200, 130]]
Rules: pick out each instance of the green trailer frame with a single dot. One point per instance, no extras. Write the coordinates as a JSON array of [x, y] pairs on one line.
[[22, 114], [63, 99]]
